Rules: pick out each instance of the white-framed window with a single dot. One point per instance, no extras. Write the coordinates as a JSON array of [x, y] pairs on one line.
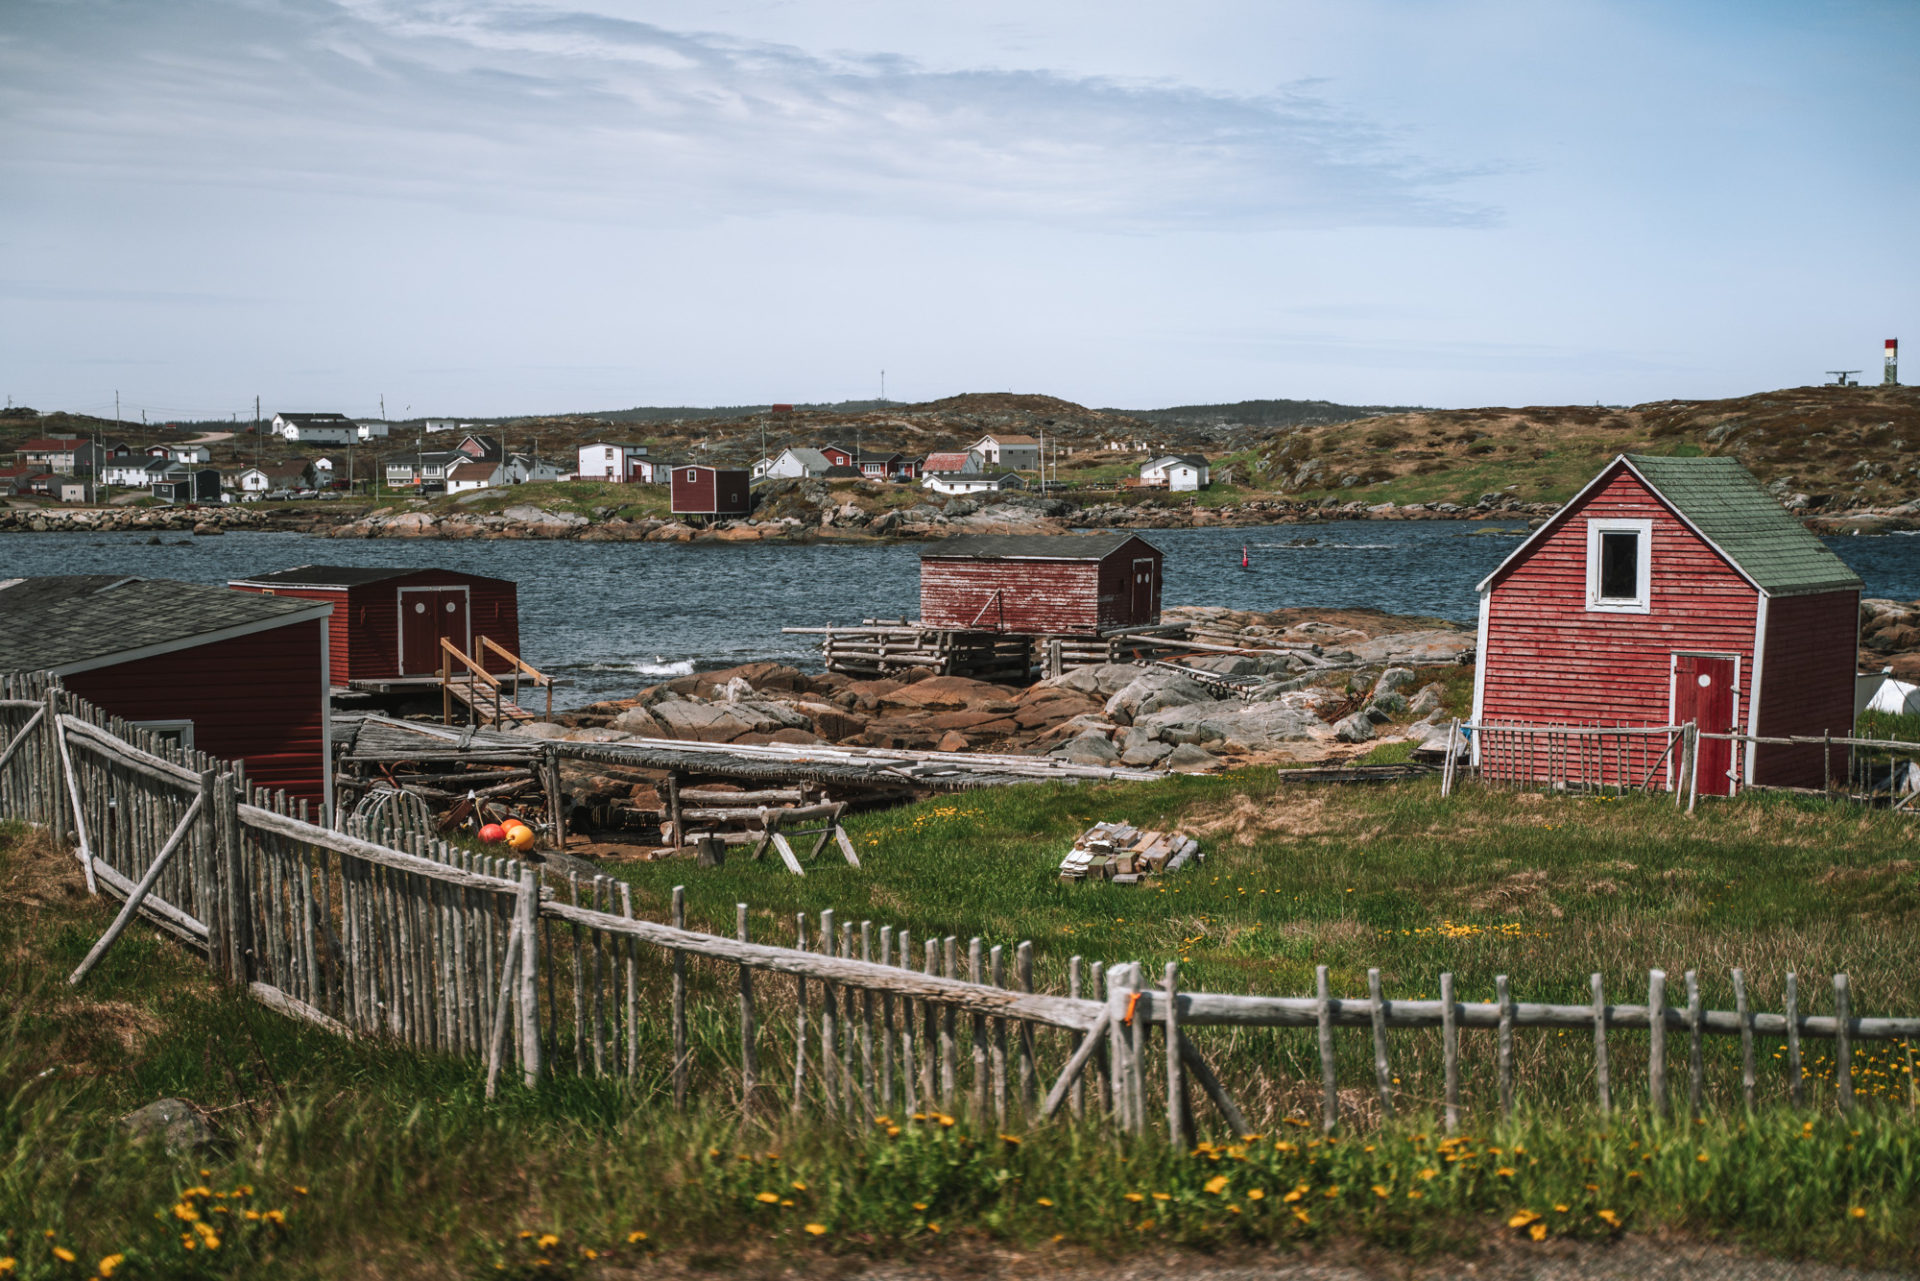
[[1619, 566], [178, 733], [692, 475]]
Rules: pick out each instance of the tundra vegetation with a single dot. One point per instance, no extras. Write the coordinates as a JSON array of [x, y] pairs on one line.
[[333, 1158]]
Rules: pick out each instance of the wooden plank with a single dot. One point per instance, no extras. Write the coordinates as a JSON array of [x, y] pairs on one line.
[[273, 998], [139, 892]]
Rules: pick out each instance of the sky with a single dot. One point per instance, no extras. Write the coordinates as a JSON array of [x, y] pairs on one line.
[[575, 205]]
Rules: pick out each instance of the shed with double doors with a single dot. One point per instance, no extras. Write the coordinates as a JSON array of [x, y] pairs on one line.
[[1041, 584], [710, 491], [388, 623], [1669, 591]]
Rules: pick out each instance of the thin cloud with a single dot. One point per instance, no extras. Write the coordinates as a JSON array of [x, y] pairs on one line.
[[518, 109]]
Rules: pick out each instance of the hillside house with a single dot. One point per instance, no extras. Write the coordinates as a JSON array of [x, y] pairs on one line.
[[1179, 473], [950, 483], [484, 449], [1669, 591], [525, 469], [710, 491], [188, 484], [316, 429], [72, 489], [893, 466], [608, 461], [388, 623], [267, 478], [796, 464], [953, 463], [434, 426], [1015, 453], [838, 455], [465, 477], [1041, 584], [129, 472], [424, 469], [188, 454], [72, 455], [243, 677], [372, 429]]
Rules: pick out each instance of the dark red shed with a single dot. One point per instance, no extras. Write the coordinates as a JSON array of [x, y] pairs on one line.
[[240, 677], [388, 623], [1672, 590], [1041, 584], [711, 491]]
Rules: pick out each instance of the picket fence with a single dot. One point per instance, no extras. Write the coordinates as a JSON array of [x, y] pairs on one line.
[[532, 974]]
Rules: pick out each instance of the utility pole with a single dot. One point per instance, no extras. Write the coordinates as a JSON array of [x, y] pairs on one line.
[[116, 404]]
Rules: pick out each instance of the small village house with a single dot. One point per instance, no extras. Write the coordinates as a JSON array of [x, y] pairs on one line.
[[1041, 584], [1015, 453], [1669, 591], [426, 470], [891, 466], [72, 489], [188, 484], [465, 477], [316, 429], [244, 677], [70, 454], [268, 478], [181, 453], [436, 425], [796, 464], [710, 491], [372, 429], [953, 483], [388, 623], [838, 455], [1179, 473], [608, 461], [525, 469], [128, 472], [486, 449], [964, 462]]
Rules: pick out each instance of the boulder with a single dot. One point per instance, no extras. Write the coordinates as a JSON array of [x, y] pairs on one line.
[[638, 721], [175, 1123], [1188, 759], [1153, 691], [1387, 706], [1426, 701], [944, 693], [1259, 727], [1088, 748], [1392, 679], [586, 735], [952, 741], [540, 730], [1353, 729], [1142, 750], [1413, 649], [1106, 680]]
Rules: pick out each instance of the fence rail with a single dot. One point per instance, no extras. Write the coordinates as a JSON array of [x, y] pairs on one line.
[[373, 932]]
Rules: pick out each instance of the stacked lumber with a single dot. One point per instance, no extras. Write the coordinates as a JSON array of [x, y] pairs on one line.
[[882, 649], [1125, 855]]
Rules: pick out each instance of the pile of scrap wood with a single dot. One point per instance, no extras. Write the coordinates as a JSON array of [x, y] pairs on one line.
[[1125, 855]]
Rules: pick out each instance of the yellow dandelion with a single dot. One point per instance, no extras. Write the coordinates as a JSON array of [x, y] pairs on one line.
[[276, 1217], [1302, 1216], [635, 1238], [786, 1203], [1013, 1139], [799, 1186], [921, 1205], [1538, 1231], [1163, 1196], [1559, 1209], [7, 1265], [767, 1198], [298, 1190], [1505, 1172], [185, 1213], [1134, 1196], [1522, 1218], [934, 1228], [816, 1229], [1702, 1158], [1414, 1194], [547, 1241], [1857, 1212], [1294, 1195], [1046, 1201], [1612, 1219], [588, 1254], [1429, 1173], [1380, 1191], [1216, 1185], [63, 1254], [111, 1264], [1255, 1194]]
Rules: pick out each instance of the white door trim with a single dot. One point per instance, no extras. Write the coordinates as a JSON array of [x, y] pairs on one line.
[[400, 605]]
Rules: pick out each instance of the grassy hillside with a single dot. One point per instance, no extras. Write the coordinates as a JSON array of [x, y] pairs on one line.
[[1841, 446]]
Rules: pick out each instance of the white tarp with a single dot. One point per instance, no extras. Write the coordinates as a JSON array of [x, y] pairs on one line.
[[1880, 692]]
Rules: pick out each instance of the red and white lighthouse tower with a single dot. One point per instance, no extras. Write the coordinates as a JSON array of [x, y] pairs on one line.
[[1892, 378]]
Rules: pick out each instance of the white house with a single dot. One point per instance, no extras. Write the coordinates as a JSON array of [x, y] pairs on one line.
[[462, 477], [255, 481], [977, 483], [424, 469], [1017, 453], [608, 460], [181, 453], [316, 429], [323, 469], [797, 464], [525, 469], [445, 424], [373, 429], [126, 471], [966, 463], [1178, 472]]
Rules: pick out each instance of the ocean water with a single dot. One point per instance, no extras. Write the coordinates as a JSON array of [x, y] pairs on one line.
[[614, 617]]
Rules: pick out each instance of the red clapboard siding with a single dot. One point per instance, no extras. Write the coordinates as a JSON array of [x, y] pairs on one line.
[[1806, 686], [1034, 596], [256, 698], [366, 619], [710, 491], [1549, 660]]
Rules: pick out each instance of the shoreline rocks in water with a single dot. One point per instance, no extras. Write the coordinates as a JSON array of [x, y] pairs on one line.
[[1114, 714]]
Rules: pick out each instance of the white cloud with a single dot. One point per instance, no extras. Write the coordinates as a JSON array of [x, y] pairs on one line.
[[584, 116]]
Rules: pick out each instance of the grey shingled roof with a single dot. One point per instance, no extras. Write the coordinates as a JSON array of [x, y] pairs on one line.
[[1031, 546], [1726, 504], [324, 576], [59, 623]]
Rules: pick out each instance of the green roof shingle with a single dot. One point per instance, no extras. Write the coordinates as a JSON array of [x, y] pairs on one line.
[[1724, 502]]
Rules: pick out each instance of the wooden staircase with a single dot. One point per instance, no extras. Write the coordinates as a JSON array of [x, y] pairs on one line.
[[488, 699]]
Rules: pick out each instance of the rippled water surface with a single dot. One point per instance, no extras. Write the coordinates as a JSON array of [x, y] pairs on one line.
[[615, 616]]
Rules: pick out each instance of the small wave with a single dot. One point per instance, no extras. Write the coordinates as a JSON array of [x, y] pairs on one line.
[[1329, 547], [658, 667]]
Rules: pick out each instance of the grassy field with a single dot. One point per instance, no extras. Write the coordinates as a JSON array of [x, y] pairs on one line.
[[382, 1162]]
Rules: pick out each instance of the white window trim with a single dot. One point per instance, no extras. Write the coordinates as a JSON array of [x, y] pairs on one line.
[[1643, 597], [184, 728]]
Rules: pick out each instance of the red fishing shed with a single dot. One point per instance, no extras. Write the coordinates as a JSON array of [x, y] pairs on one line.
[[244, 678], [711, 491], [1672, 590], [1041, 584], [388, 623]]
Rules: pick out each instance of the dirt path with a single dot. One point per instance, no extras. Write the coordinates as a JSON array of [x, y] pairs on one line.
[[210, 438]]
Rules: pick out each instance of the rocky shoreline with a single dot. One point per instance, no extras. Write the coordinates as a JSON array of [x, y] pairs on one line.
[[806, 511]]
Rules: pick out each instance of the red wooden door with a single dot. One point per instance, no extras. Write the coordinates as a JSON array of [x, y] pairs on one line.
[[1145, 590], [427, 614], [1704, 692]]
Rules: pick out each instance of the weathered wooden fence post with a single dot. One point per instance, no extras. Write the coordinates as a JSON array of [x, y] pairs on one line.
[[527, 910], [1329, 1082]]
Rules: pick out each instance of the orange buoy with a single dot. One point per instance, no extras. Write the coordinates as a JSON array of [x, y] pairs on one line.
[[520, 837]]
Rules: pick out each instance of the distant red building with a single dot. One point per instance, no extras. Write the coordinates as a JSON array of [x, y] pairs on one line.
[[1672, 590], [1041, 585], [711, 491], [388, 623], [241, 677]]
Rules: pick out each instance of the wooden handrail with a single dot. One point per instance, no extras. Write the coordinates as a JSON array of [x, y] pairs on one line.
[[449, 647], [519, 663]]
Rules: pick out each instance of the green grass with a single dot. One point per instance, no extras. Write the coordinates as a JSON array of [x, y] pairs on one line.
[[407, 1170]]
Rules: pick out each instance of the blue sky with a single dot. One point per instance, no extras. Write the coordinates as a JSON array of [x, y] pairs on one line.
[[483, 208]]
